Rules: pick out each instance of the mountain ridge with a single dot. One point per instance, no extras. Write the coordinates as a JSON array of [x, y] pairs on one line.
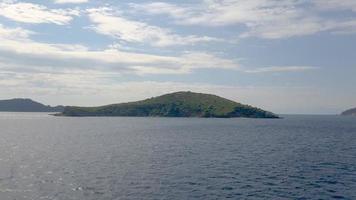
[[177, 104], [26, 105], [349, 112]]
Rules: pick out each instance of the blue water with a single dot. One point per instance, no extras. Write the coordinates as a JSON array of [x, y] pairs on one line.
[[298, 157]]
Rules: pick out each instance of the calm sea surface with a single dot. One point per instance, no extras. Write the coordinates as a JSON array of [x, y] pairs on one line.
[[298, 157]]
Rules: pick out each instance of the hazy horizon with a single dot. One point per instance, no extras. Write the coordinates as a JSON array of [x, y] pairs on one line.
[[94, 105], [288, 57]]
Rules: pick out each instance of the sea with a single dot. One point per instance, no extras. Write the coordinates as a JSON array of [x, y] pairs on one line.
[[43, 157]]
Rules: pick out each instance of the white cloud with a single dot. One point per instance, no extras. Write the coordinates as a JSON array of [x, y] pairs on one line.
[[35, 13], [189, 62], [14, 33], [70, 1], [18, 52], [173, 10], [346, 27], [17, 49], [301, 27], [107, 23], [336, 4], [271, 19], [281, 69], [224, 12]]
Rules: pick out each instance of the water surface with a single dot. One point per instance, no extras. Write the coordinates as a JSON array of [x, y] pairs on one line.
[[298, 157]]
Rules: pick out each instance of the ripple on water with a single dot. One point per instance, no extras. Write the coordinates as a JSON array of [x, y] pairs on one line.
[[298, 157]]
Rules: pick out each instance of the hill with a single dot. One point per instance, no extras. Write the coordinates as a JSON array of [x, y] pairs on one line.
[[349, 112], [179, 104], [26, 105]]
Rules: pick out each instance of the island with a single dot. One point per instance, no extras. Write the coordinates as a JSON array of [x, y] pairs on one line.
[[178, 104], [26, 105], [350, 112]]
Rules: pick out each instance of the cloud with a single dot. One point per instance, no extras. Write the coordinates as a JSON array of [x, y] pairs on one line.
[[269, 19], [224, 12], [336, 5], [14, 33], [35, 13], [157, 8], [108, 23], [18, 50], [281, 69], [70, 1], [189, 62], [19, 53]]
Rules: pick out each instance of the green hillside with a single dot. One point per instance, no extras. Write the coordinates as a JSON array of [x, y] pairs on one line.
[[350, 112], [26, 105], [179, 104]]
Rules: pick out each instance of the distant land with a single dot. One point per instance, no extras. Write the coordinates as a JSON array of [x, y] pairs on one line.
[[349, 112], [178, 104], [26, 105]]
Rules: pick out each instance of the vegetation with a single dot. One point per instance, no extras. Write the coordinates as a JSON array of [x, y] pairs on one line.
[[179, 104], [26, 105], [349, 112]]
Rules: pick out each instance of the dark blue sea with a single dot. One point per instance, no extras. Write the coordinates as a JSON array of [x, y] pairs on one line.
[[44, 157]]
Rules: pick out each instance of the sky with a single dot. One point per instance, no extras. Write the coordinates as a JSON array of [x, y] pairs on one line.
[[286, 56]]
